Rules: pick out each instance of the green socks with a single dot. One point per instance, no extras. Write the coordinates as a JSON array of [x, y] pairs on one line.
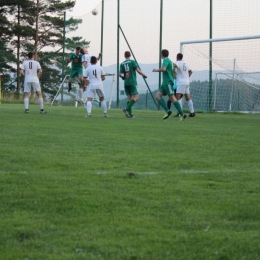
[[129, 106], [163, 104], [178, 107]]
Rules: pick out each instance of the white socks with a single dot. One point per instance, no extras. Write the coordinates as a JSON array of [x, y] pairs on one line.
[[190, 104], [89, 107], [104, 106], [26, 103], [40, 100], [80, 93]]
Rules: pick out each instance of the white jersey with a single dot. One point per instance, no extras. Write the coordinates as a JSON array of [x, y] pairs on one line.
[[182, 73], [86, 57], [31, 68], [94, 73]]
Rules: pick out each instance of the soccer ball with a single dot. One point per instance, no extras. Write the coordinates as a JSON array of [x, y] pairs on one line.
[[95, 12]]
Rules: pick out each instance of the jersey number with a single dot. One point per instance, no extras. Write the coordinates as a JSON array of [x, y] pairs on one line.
[[95, 73], [184, 67], [127, 73], [30, 65], [126, 67]]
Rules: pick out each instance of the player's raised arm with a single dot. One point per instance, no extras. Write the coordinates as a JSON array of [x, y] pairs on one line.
[[99, 56]]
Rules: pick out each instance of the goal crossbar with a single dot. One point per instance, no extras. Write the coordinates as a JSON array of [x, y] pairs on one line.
[[219, 40]]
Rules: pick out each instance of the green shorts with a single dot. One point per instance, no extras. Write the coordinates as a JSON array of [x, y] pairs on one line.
[[166, 89], [76, 72], [131, 90]]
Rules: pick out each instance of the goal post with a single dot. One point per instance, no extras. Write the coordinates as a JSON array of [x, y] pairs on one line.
[[235, 82]]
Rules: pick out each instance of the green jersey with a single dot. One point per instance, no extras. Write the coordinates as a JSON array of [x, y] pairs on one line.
[[76, 60], [168, 74], [128, 67]]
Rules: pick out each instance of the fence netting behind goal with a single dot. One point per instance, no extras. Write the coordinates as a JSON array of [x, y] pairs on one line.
[[235, 73]]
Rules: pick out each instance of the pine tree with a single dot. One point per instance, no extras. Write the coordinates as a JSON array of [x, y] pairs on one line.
[[14, 21], [37, 25], [49, 26]]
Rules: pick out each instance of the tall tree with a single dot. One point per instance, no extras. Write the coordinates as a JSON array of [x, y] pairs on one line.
[[49, 25], [17, 16], [37, 25]]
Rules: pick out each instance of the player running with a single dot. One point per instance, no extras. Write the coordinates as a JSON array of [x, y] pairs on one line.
[[167, 86]]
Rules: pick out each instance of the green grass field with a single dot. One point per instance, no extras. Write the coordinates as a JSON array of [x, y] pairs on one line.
[[116, 188]]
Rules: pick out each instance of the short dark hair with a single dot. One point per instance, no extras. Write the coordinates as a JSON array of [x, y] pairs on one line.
[[127, 54], [82, 51], [93, 60], [78, 48], [165, 53], [179, 56], [30, 55]]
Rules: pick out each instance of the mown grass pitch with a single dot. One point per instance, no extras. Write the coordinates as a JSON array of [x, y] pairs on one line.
[[116, 188]]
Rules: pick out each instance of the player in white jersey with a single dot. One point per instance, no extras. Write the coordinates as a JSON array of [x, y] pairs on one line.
[[86, 62], [87, 56], [183, 82], [96, 75], [31, 70]]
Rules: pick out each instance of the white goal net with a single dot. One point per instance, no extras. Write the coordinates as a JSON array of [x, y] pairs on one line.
[[233, 82]]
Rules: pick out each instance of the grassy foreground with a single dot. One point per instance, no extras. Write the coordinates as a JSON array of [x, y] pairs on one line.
[[115, 188]]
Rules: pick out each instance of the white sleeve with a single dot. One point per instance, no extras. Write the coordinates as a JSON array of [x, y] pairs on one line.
[[38, 66], [22, 66]]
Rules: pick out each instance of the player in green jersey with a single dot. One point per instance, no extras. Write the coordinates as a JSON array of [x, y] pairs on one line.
[[167, 86], [76, 66], [127, 72]]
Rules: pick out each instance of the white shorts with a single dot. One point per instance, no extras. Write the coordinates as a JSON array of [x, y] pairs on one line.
[[32, 86], [95, 88], [84, 73], [183, 89]]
